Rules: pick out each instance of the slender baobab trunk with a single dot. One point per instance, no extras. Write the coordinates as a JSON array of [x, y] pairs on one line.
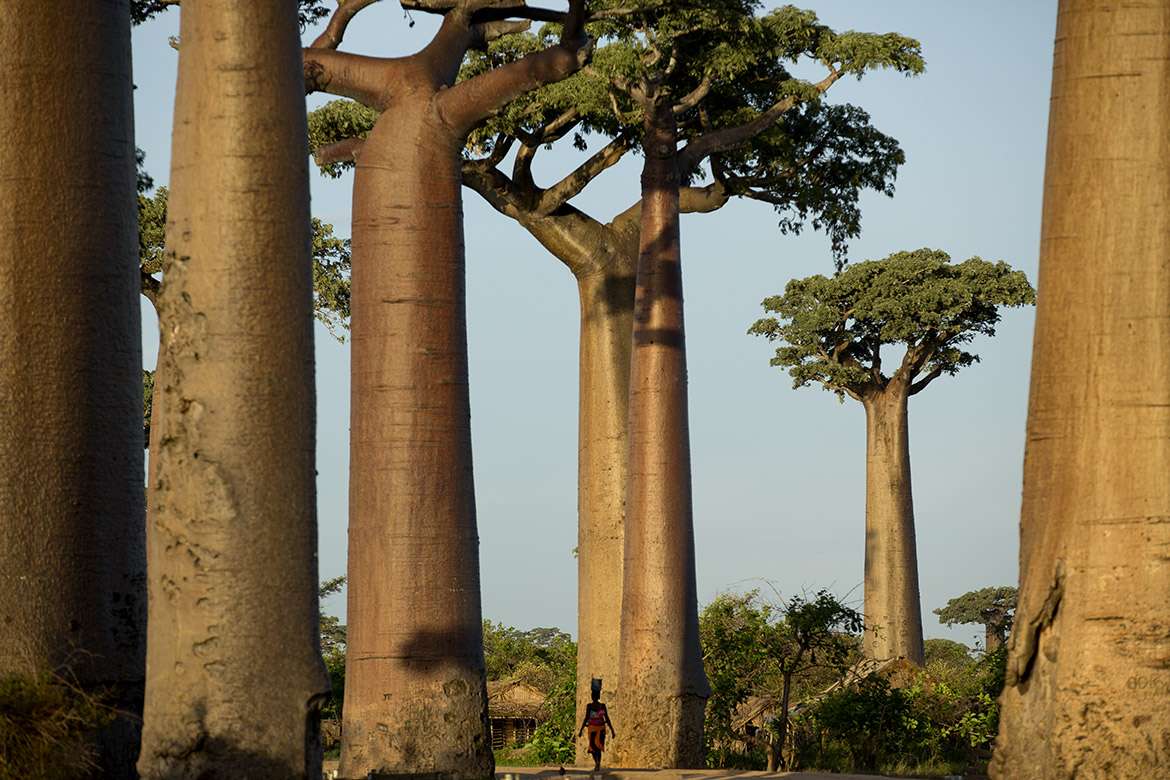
[[415, 693], [234, 674], [1088, 683], [893, 615], [72, 563], [992, 639], [606, 323], [662, 688]]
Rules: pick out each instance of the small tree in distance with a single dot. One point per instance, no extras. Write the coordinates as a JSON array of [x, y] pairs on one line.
[[832, 332], [752, 647], [992, 608]]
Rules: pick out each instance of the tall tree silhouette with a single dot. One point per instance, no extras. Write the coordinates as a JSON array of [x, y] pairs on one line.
[[832, 332]]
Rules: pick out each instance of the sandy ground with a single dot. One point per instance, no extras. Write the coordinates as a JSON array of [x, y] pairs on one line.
[[608, 773]]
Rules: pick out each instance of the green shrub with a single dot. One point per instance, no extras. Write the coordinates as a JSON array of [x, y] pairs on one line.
[[47, 724], [945, 720]]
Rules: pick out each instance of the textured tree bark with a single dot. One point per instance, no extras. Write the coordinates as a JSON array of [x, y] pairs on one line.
[[893, 615], [72, 560], [662, 688], [1088, 677], [415, 693], [234, 675]]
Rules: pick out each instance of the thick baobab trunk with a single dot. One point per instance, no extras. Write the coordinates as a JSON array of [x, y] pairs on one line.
[[415, 693], [234, 674], [607, 315], [893, 615], [72, 562], [1088, 678], [662, 688]]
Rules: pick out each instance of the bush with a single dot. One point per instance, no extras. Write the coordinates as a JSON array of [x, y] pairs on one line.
[[47, 724], [555, 739], [945, 720]]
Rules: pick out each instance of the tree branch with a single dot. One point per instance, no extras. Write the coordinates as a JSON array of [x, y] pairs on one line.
[[693, 98], [920, 385], [364, 79], [702, 200], [729, 137], [345, 150], [470, 102], [565, 189], [331, 37], [150, 288]]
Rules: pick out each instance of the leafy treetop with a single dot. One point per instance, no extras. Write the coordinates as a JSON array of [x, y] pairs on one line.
[[762, 131], [832, 329], [992, 607]]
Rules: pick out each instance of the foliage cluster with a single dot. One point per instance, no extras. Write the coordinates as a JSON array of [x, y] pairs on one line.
[[832, 329], [333, 649], [775, 652], [993, 608], [546, 659], [945, 719], [47, 724]]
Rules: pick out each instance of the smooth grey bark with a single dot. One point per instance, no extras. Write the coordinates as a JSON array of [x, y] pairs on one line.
[[72, 563], [893, 612]]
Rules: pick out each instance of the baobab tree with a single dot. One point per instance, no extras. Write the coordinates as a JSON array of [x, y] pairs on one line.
[[232, 531], [72, 564], [991, 608], [415, 695], [832, 331], [1088, 684], [773, 141]]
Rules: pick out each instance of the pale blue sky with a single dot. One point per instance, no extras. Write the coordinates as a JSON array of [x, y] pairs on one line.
[[778, 474]]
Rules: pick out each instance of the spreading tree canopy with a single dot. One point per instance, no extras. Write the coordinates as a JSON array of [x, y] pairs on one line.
[[748, 126], [992, 608], [832, 329]]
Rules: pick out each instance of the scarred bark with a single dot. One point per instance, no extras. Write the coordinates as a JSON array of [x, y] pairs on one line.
[[415, 695], [893, 613], [1088, 678], [234, 671], [72, 561], [662, 688]]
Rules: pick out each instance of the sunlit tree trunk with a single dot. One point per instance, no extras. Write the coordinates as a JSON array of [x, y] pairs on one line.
[[415, 693], [72, 562], [234, 674], [893, 615], [1088, 676], [662, 688]]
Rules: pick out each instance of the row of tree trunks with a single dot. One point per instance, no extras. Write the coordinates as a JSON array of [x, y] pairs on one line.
[[662, 687], [233, 666], [72, 562], [1088, 677]]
